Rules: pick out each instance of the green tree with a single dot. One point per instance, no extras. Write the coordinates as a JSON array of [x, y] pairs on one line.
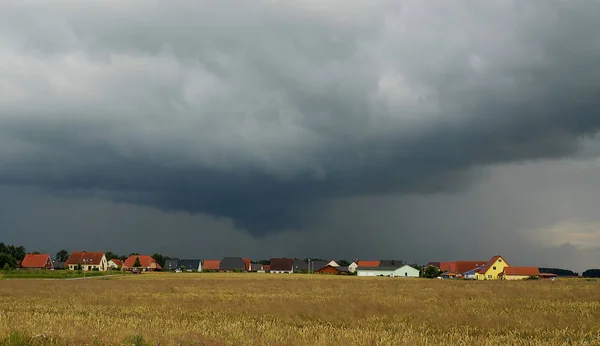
[[160, 259], [110, 255], [137, 263], [62, 255], [17, 252], [431, 272], [6, 259]]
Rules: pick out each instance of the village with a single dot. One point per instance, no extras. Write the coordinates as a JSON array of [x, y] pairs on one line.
[[496, 268]]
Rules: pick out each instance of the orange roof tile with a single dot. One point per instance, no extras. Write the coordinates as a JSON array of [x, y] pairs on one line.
[[81, 257], [116, 261], [368, 263], [522, 271], [37, 261], [211, 265]]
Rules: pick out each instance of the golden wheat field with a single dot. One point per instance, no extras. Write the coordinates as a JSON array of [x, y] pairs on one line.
[[269, 309]]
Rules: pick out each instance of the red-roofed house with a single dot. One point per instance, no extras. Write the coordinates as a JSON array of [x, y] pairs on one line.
[[37, 261], [460, 267], [87, 261], [210, 265], [493, 269], [147, 263], [519, 273]]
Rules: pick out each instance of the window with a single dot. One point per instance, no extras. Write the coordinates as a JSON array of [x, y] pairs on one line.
[[499, 261], [489, 276], [494, 268]]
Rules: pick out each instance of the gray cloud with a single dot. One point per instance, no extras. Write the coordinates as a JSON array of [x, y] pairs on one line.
[[263, 112]]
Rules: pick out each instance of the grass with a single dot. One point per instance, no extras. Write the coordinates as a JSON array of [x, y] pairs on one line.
[[52, 274], [268, 309]]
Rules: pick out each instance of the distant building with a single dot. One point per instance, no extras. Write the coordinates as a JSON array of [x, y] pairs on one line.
[[37, 261], [147, 263], [334, 270], [519, 273], [87, 261], [211, 265], [191, 265], [493, 269], [396, 271], [230, 264], [115, 263], [282, 265]]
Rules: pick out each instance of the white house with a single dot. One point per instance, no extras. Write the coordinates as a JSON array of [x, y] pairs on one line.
[[404, 271]]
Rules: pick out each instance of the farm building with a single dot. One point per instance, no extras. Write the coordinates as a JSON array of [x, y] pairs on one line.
[[493, 269], [191, 265], [147, 263], [210, 265], [399, 271], [335, 270], [87, 261], [171, 264], [519, 273], [282, 265], [37, 261], [256, 267], [300, 266], [230, 264]]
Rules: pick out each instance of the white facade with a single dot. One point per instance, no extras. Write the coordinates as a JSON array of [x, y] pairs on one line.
[[352, 267], [112, 264], [404, 271]]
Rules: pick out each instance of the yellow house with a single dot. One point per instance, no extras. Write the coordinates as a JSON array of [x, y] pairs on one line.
[[87, 261], [493, 269]]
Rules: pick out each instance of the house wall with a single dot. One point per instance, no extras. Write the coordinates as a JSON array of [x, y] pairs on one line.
[[494, 271], [281, 271], [406, 271], [360, 272], [515, 277]]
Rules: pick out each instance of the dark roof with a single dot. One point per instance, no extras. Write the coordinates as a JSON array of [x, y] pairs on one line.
[[231, 263], [282, 264], [391, 263], [171, 264], [300, 265], [318, 265], [342, 268], [190, 264], [256, 267]]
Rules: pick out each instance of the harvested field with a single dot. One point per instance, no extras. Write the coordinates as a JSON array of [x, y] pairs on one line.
[[268, 309]]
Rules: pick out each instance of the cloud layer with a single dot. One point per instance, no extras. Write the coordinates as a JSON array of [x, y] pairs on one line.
[[262, 111]]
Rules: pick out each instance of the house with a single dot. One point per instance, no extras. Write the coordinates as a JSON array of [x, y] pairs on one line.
[[171, 265], [115, 263], [471, 274], [300, 266], [493, 269], [352, 267], [37, 261], [335, 270], [210, 265], [282, 265], [333, 264], [230, 264], [83, 260], [147, 263], [396, 271], [519, 273], [247, 264], [314, 266], [460, 267], [191, 265], [256, 267]]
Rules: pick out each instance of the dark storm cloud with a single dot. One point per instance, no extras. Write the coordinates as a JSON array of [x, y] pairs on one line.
[[260, 111]]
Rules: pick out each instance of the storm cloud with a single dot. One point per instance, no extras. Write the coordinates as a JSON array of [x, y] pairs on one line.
[[265, 111]]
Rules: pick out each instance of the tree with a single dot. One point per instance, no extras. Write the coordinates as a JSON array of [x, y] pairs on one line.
[[17, 252], [137, 263], [7, 259], [431, 272], [110, 255], [592, 273], [6, 267], [160, 259], [62, 255]]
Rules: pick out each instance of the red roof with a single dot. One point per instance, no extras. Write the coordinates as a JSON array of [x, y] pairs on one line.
[[464, 266], [37, 261], [247, 263], [211, 265], [282, 264], [145, 261], [83, 257], [490, 264], [368, 263], [117, 262], [522, 271]]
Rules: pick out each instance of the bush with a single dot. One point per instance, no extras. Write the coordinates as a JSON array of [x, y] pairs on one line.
[[6, 267]]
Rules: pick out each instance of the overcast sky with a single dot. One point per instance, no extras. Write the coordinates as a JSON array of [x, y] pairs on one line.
[[419, 130]]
